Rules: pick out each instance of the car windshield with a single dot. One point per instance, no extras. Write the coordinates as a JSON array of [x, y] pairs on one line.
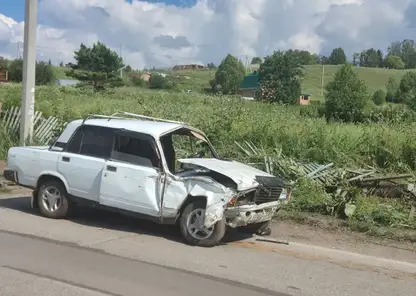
[[185, 143]]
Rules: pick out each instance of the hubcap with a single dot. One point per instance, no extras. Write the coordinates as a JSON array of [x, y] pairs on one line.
[[195, 225], [51, 199]]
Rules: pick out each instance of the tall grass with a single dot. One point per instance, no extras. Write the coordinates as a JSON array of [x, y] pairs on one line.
[[226, 120]]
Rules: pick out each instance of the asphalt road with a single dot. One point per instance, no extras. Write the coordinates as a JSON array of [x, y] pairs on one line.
[[100, 253], [98, 272]]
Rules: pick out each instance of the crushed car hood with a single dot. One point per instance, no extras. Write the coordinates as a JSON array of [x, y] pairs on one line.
[[243, 175]]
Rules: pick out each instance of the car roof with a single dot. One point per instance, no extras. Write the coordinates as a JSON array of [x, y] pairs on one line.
[[153, 128]]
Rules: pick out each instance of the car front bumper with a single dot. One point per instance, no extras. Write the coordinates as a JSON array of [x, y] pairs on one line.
[[248, 214]]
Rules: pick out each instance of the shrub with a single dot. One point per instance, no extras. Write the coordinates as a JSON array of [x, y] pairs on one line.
[[379, 97], [346, 96]]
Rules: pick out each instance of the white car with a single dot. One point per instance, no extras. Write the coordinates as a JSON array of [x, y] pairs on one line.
[[166, 171]]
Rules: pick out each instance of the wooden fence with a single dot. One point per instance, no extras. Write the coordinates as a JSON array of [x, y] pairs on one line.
[[44, 129]]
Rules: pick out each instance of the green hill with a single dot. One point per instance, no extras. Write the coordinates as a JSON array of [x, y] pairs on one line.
[[198, 80]]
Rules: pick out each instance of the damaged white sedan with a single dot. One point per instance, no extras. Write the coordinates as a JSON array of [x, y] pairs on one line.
[[162, 170]]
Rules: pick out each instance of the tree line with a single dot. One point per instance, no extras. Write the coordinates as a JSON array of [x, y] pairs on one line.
[[399, 55]]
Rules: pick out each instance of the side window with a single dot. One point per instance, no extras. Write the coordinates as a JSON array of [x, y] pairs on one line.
[[74, 144], [97, 141], [136, 149]]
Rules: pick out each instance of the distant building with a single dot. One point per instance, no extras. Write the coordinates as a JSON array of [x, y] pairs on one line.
[[146, 76], [189, 67], [66, 82], [4, 76], [249, 85]]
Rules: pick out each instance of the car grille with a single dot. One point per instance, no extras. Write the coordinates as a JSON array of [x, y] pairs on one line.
[[268, 194]]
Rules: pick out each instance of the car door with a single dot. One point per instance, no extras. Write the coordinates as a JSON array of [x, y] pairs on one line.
[[132, 179], [83, 160]]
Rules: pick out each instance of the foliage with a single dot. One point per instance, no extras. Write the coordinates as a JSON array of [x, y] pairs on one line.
[[256, 60], [379, 97], [229, 75], [407, 90], [211, 66], [157, 81], [337, 57], [280, 78], [4, 63], [371, 58], [97, 66], [44, 72], [394, 62], [405, 50], [346, 96], [392, 88]]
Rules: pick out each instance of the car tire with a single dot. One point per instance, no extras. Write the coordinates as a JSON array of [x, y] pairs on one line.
[[210, 238], [262, 228], [57, 195]]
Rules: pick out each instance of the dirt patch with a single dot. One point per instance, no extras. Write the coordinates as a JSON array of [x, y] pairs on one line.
[[343, 239]]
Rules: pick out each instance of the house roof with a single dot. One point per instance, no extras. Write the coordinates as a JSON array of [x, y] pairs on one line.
[[250, 81]]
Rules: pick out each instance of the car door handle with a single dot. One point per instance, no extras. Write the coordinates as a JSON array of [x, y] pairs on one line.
[[66, 159], [111, 168]]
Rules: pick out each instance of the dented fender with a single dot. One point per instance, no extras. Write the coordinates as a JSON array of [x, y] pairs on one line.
[[178, 190]]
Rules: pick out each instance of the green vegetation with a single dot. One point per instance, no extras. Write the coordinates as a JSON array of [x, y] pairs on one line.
[[228, 76]]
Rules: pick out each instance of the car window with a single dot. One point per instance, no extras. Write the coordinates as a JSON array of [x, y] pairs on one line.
[[92, 141], [136, 149]]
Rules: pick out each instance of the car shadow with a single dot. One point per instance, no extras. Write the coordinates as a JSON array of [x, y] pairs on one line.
[[99, 218]]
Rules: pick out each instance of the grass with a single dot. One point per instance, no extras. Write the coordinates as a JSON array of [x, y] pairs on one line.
[[226, 120], [198, 80], [375, 78]]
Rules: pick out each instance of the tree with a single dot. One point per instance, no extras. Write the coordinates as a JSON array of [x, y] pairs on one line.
[[304, 56], [44, 72], [371, 58], [407, 89], [337, 56], [392, 88], [346, 96], [356, 59], [98, 66], [256, 60], [211, 66], [379, 97], [4, 63], [229, 75], [406, 50], [280, 78], [61, 64], [50, 62], [394, 62], [380, 58]]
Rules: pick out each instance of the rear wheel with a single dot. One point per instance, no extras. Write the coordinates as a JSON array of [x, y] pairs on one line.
[[262, 228], [52, 199], [193, 230]]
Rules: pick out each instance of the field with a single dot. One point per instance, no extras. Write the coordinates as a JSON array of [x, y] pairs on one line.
[[272, 127], [198, 80]]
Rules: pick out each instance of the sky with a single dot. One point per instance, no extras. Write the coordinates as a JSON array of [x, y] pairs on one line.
[[163, 33]]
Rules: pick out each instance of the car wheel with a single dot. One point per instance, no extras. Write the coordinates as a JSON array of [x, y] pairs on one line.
[[52, 200], [195, 234], [262, 228]]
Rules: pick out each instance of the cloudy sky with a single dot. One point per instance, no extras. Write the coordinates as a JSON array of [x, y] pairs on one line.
[[168, 32]]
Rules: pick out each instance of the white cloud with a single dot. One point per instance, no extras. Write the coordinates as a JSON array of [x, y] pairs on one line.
[[159, 35]]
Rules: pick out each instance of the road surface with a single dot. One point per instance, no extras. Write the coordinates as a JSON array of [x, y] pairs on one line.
[[100, 253]]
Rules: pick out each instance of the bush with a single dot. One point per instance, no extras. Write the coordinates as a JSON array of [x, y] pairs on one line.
[[379, 97], [44, 72], [346, 96]]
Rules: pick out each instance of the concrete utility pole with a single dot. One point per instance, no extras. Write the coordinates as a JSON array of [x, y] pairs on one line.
[[29, 72]]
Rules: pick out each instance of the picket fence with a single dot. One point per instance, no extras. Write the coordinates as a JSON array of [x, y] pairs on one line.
[[44, 129]]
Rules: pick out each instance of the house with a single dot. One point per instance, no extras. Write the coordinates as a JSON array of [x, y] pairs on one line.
[[304, 99], [4, 76], [146, 76], [249, 85]]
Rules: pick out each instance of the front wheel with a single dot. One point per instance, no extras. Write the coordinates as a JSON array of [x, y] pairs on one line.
[[193, 229]]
